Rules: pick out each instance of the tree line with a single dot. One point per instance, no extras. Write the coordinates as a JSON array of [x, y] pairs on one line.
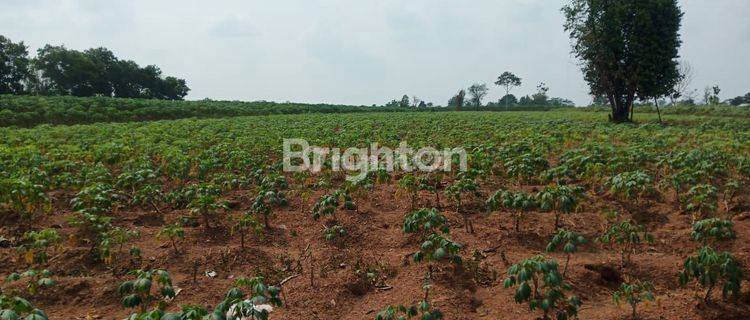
[[57, 70]]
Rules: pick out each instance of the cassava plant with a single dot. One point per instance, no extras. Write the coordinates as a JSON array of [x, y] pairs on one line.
[[539, 283], [246, 224], [206, 206], [559, 199], [634, 294], [17, 308], [710, 268], [629, 237], [141, 292], [410, 184], [37, 245], [174, 233], [35, 280], [255, 304], [422, 311], [519, 203], [270, 195], [702, 200], [425, 221], [712, 230], [457, 192], [569, 242]]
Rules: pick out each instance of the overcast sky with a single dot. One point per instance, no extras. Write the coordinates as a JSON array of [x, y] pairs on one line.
[[361, 51]]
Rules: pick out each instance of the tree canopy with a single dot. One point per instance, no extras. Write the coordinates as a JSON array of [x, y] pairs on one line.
[[628, 48], [14, 66], [57, 70]]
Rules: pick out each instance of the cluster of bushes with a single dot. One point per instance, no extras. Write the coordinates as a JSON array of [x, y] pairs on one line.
[[28, 111]]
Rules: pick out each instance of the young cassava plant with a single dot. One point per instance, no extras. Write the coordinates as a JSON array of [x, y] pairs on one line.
[[539, 283], [634, 294], [569, 242]]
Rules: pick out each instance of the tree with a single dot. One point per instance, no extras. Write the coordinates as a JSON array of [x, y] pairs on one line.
[[478, 92], [14, 66], [98, 71], [404, 102], [684, 81], [509, 81], [628, 48], [508, 100], [711, 95], [540, 97], [458, 100]]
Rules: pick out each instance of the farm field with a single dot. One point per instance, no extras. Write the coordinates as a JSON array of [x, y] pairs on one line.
[[207, 201]]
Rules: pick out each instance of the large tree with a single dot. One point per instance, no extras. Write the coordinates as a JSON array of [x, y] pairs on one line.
[[509, 81], [628, 48], [477, 92], [99, 72], [458, 100], [14, 66]]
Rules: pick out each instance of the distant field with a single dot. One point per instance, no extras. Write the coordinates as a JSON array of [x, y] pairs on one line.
[[30, 111], [93, 183]]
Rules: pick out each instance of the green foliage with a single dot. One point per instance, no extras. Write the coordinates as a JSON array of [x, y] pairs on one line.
[[141, 292], [334, 233], [37, 245], [422, 311], [245, 224], [560, 199], [238, 305], [437, 248], [628, 236], [624, 53], [520, 203], [713, 229], [35, 279], [702, 199], [410, 184], [540, 284], [17, 308], [633, 294], [174, 232], [710, 268], [425, 221], [207, 206], [328, 203], [270, 195], [24, 197], [632, 185], [568, 241], [464, 186]]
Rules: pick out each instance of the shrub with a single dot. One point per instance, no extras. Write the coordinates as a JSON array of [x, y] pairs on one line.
[[634, 294]]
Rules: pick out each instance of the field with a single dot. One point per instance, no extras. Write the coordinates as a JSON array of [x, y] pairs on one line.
[[206, 200]]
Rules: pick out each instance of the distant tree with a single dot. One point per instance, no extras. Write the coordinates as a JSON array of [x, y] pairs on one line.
[[711, 95], [478, 92], [685, 79], [740, 100], [14, 66], [404, 102], [422, 105], [561, 102], [458, 100], [525, 101], [628, 48], [540, 97], [508, 100], [61, 71], [509, 81], [415, 101]]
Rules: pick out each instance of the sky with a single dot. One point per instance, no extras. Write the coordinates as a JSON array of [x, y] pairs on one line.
[[362, 52]]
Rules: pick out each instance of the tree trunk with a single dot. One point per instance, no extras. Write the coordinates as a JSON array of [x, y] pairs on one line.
[[621, 108], [656, 103]]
